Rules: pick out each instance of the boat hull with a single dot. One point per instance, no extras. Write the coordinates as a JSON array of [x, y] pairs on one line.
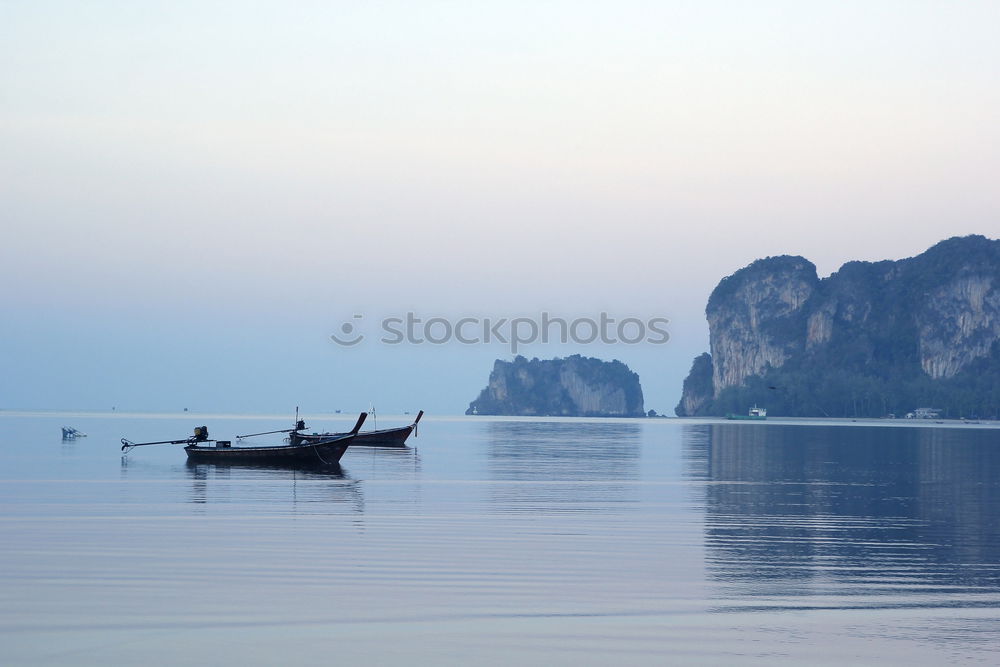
[[388, 437], [754, 418], [325, 452]]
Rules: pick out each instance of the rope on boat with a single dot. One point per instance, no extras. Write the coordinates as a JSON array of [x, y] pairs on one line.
[[320, 456]]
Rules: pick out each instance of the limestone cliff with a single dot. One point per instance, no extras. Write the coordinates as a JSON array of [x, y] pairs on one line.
[[755, 318], [958, 323], [873, 338], [698, 391], [572, 387]]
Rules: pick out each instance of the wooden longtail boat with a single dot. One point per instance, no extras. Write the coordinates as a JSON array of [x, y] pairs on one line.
[[386, 437], [326, 451]]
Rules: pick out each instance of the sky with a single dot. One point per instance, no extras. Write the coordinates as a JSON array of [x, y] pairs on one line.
[[195, 195]]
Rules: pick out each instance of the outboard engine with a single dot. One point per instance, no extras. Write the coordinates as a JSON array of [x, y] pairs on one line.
[[200, 433], [300, 425]]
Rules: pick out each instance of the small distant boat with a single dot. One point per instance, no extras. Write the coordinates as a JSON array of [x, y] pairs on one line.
[[325, 451], [386, 437], [756, 414], [69, 433]]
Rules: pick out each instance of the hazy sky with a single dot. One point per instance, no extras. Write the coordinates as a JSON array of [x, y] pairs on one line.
[[194, 195]]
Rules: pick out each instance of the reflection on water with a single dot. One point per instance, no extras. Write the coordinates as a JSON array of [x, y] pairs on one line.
[[851, 511], [246, 487], [564, 466], [385, 462], [563, 451], [323, 489], [199, 470], [506, 542]]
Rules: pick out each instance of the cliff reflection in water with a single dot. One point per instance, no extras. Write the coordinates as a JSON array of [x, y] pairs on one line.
[[850, 510], [565, 466]]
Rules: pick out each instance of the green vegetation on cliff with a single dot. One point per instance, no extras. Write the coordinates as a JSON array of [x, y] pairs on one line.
[[866, 390]]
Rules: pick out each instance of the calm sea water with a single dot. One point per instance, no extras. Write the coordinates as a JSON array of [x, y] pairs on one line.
[[499, 542]]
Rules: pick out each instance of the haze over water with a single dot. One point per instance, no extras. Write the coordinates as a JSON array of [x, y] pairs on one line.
[[516, 541], [196, 195]]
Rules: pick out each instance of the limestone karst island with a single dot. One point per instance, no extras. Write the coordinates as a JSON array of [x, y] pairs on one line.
[[918, 336], [572, 387], [874, 339]]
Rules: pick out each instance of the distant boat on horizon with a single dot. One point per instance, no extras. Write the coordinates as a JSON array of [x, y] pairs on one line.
[[755, 414]]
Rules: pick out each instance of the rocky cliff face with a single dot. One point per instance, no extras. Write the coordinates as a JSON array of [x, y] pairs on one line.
[[698, 390], [572, 387], [755, 318], [872, 334], [958, 323]]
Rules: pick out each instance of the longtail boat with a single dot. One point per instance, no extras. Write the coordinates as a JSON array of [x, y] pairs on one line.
[[326, 451], [386, 437]]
